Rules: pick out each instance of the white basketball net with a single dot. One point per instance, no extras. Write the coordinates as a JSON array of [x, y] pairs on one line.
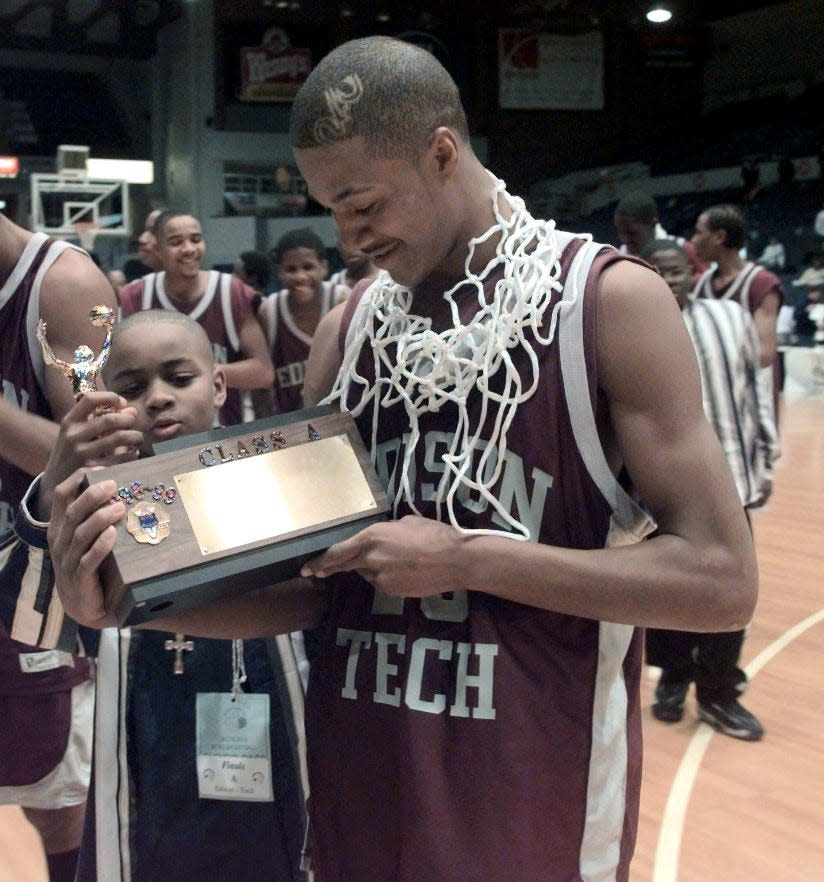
[[430, 369]]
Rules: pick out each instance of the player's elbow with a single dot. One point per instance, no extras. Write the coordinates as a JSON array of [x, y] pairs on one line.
[[264, 373], [736, 581]]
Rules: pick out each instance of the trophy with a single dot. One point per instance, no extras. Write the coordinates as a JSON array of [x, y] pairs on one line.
[[82, 372]]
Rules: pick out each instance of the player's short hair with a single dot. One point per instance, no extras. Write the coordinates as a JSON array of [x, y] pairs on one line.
[[659, 245], [389, 92], [638, 206], [731, 220], [163, 218], [155, 316], [305, 237]]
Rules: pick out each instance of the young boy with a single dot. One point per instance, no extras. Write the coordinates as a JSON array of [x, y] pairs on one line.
[[289, 317], [147, 820], [220, 302], [726, 345]]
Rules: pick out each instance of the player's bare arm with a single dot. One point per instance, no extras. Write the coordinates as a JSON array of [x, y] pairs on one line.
[[766, 318], [71, 287], [255, 371], [699, 573], [324, 357], [82, 533], [26, 440]]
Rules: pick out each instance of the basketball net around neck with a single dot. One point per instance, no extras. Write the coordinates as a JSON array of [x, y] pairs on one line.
[[425, 370]]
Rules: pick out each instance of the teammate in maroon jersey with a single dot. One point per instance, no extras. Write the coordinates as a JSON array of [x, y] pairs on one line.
[[290, 316], [473, 709], [219, 302], [46, 697]]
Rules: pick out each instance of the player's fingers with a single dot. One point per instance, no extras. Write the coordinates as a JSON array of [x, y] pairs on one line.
[[339, 558], [126, 443]]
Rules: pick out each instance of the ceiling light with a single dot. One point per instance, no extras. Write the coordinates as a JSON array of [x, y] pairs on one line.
[[659, 15]]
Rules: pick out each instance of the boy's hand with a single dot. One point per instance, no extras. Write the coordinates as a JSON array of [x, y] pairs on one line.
[[81, 534], [88, 440]]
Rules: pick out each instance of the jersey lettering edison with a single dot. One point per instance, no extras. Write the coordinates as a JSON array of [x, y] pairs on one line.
[[472, 665]]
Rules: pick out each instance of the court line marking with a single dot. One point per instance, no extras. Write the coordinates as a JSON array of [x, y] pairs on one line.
[[668, 848]]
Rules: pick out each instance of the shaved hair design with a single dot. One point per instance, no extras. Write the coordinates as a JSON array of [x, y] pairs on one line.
[[390, 93]]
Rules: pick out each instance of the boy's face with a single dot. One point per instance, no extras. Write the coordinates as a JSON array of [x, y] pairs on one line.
[[301, 270], [676, 272], [392, 209], [181, 246], [166, 374]]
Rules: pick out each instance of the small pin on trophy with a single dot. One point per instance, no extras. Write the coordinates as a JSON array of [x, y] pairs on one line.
[[82, 372]]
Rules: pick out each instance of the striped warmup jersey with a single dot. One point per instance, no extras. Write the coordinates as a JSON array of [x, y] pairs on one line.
[[726, 344], [468, 737]]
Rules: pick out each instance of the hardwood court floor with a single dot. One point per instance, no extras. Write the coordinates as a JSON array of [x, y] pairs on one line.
[[714, 809]]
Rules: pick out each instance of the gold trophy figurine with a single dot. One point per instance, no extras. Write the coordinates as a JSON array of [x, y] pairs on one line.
[[82, 372]]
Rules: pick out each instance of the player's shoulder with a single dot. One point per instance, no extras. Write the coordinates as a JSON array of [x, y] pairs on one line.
[[74, 277]]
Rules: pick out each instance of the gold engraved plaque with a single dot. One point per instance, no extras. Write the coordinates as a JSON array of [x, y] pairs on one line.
[[274, 494], [239, 508]]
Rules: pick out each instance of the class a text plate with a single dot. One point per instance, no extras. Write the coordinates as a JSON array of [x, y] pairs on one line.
[[274, 494]]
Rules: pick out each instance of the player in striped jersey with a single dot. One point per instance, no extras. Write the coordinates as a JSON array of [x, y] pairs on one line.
[[726, 345]]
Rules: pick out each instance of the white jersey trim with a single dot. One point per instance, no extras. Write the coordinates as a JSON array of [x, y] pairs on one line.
[[21, 267], [33, 315], [228, 315], [111, 772], [202, 304]]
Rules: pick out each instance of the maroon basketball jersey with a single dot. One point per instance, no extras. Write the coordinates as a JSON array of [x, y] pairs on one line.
[[221, 311], [465, 736], [26, 669], [749, 288], [289, 345]]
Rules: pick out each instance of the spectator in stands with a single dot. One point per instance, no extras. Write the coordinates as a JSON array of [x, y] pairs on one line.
[[818, 224], [805, 314], [254, 268], [813, 274], [773, 256], [726, 345], [636, 222]]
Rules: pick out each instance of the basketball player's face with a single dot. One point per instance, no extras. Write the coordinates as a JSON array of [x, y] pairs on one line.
[[166, 374], [181, 246], [676, 272], [706, 241], [302, 271], [391, 209], [633, 233]]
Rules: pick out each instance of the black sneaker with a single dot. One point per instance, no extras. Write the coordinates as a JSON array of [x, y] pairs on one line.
[[669, 700], [731, 719]]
